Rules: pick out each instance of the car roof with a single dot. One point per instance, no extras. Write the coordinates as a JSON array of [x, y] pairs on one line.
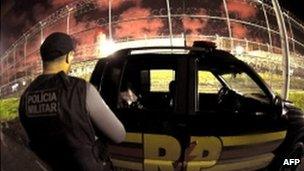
[[210, 55], [174, 50]]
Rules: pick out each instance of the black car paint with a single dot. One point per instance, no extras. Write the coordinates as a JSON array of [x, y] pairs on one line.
[[185, 121]]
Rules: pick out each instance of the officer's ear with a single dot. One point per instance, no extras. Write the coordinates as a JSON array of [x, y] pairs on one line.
[[69, 57]]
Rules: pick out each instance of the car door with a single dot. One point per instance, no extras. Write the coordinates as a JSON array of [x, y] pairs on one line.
[[224, 139], [98, 73], [106, 78], [163, 109]]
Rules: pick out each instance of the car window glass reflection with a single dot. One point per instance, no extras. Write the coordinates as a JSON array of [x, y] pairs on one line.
[[243, 84]]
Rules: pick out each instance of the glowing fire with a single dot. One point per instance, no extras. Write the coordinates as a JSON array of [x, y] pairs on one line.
[[105, 46]]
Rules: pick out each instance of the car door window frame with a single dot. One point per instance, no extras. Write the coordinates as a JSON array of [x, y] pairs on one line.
[[113, 91]]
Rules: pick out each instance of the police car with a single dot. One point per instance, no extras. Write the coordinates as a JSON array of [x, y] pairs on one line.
[[196, 108]]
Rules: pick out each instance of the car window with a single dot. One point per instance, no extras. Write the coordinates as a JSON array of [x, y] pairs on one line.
[[160, 80], [147, 85], [110, 83], [98, 72], [243, 84], [208, 88], [208, 83]]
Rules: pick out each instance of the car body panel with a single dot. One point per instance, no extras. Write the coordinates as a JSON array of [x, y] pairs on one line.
[[142, 152], [183, 136]]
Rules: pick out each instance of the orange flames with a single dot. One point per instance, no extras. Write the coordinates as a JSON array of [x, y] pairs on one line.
[[238, 30], [242, 8], [138, 28], [195, 25]]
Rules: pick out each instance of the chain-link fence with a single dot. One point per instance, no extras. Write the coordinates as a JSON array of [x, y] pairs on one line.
[[247, 28]]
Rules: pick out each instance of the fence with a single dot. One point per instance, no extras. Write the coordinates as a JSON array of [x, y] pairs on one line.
[[247, 28]]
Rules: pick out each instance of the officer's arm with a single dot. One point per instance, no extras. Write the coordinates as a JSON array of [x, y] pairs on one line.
[[102, 116]]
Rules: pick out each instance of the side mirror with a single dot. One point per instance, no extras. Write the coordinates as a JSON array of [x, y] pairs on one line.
[[278, 104], [277, 100]]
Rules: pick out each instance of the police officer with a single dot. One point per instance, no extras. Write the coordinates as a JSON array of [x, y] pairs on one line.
[[62, 114]]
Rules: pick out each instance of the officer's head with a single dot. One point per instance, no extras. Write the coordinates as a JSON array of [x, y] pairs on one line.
[[57, 53]]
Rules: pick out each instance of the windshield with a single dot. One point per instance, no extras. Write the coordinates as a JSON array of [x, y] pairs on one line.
[[243, 84], [229, 73]]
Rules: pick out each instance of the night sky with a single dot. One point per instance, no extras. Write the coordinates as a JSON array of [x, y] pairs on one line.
[[295, 7], [18, 16]]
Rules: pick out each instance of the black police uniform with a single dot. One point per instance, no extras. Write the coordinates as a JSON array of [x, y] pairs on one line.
[[53, 113]]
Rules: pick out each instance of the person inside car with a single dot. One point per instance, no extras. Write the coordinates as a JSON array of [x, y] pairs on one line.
[[172, 92]]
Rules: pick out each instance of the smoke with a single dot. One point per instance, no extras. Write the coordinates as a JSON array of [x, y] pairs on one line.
[[195, 25], [85, 33], [104, 4], [59, 3], [241, 8], [8, 28], [89, 37], [86, 43], [138, 28], [238, 30], [16, 20], [24, 15]]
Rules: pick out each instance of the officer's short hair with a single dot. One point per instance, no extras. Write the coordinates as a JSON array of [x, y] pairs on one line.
[[56, 45]]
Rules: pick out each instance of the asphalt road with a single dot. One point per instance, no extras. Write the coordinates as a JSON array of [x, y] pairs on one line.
[[14, 154]]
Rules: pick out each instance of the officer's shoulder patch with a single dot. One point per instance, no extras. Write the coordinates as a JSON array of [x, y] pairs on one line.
[[42, 103]]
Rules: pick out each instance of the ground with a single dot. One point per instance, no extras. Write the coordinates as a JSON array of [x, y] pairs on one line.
[[14, 153]]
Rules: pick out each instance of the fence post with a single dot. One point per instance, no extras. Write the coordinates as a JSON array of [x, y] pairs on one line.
[[68, 20], [110, 20], [169, 22], [285, 48], [228, 24]]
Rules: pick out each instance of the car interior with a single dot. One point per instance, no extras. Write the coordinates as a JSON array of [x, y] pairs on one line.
[[140, 85], [150, 83]]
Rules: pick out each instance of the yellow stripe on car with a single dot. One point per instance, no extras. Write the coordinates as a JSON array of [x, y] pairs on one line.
[[252, 139], [133, 137], [162, 151]]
